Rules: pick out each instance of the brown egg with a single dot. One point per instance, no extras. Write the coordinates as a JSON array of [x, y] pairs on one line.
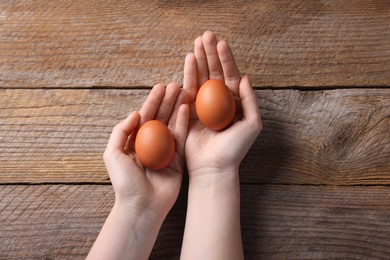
[[155, 145], [215, 105]]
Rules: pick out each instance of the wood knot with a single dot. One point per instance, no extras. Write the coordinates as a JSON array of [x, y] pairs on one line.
[[343, 141]]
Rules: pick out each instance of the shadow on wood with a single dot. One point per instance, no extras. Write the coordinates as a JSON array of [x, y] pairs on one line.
[[268, 158]]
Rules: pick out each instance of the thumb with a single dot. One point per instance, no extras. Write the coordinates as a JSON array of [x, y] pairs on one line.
[[250, 108], [121, 132], [250, 124]]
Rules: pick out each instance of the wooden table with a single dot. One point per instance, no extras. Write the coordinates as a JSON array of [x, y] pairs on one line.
[[316, 183]]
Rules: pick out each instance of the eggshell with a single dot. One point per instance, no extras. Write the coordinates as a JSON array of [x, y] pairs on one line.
[[154, 145], [215, 105]]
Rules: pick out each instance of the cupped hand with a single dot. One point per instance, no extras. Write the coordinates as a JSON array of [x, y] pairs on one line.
[[218, 150], [137, 187]]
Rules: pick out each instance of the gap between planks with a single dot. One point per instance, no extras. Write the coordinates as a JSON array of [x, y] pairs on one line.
[[292, 87], [186, 184]]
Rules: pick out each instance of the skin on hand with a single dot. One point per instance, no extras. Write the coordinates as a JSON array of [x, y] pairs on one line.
[[143, 197], [134, 185], [212, 228], [222, 150]]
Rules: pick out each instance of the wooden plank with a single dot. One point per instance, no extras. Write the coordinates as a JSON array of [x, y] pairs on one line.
[[128, 43], [337, 137], [63, 221], [59, 136], [278, 221], [307, 222]]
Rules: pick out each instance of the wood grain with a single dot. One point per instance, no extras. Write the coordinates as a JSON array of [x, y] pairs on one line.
[[316, 182], [337, 137], [130, 43], [59, 136], [278, 221], [315, 222]]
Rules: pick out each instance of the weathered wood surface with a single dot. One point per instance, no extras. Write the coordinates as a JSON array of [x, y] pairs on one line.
[[131, 43], [336, 137], [316, 183], [298, 221], [308, 222]]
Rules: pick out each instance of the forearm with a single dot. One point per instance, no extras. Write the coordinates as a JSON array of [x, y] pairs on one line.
[[126, 234], [212, 228]]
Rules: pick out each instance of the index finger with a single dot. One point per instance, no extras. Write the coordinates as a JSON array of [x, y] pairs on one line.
[[190, 82], [152, 103], [230, 70], [213, 61]]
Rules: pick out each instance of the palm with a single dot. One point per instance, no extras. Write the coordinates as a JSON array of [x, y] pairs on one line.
[[135, 180], [199, 139], [213, 59], [134, 183], [204, 145]]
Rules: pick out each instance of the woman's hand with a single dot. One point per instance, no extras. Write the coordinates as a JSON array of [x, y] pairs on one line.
[[212, 228], [143, 197], [218, 151], [140, 188]]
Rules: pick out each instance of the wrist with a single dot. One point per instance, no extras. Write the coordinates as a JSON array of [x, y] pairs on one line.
[[143, 214], [128, 232], [214, 178]]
